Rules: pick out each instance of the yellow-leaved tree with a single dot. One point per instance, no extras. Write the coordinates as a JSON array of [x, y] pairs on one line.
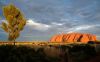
[[14, 22]]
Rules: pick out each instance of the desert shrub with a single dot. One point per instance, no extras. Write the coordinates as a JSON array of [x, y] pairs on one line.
[[53, 59], [76, 53], [11, 53], [91, 42], [97, 48], [82, 52], [13, 59]]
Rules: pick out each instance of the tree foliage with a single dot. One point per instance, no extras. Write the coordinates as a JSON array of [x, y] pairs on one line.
[[14, 23]]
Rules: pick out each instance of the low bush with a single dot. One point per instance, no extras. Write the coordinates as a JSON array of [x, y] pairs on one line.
[[67, 53]]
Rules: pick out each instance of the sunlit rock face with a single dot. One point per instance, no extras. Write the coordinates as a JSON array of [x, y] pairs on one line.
[[73, 37]]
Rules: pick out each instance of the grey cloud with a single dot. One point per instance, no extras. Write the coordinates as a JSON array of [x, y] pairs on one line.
[[38, 26]]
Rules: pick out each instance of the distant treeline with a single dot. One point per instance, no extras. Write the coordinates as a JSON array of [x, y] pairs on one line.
[[35, 43]]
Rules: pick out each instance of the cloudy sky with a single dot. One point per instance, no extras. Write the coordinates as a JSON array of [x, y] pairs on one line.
[[48, 17]]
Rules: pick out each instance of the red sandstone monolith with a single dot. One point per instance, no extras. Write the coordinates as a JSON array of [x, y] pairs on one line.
[[73, 37]]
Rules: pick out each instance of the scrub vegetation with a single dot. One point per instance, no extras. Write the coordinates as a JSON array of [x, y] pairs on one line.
[[52, 53]]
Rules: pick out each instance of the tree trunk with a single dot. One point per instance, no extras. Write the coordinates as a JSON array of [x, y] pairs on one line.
[[14, 42]]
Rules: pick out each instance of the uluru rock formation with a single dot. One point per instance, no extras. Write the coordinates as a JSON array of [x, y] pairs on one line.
[[73, 37]]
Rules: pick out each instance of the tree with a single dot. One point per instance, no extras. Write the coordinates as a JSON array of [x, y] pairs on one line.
[[14, 23]]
